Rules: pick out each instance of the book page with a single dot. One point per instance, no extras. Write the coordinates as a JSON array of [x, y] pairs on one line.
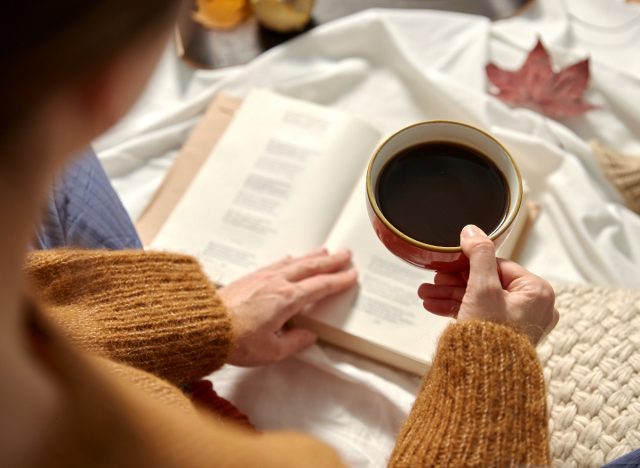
[[273, 185], [385, 309]]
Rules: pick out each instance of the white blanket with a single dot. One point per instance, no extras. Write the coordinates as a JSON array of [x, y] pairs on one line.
[[392, 68]]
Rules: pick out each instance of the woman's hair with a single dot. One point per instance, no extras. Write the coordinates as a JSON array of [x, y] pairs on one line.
[[46, 43]]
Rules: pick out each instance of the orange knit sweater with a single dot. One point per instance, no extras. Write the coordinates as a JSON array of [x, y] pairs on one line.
[[141, 325]]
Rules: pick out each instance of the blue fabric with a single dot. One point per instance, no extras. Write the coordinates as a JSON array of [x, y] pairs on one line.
[[628, 460], [84, 211]]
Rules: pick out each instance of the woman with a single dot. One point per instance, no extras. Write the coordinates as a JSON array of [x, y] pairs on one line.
[[96, 345]]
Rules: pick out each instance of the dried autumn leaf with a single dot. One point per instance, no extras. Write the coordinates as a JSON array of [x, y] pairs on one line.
[[537, 86]]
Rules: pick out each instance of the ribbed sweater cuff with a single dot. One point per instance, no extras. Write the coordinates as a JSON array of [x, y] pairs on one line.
[[481, 404], [155, 311]]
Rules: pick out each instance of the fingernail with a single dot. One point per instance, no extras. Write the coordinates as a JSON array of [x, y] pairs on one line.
[[469, 231], [343, 252]]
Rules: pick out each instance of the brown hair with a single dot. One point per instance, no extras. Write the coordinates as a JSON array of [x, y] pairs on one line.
[[46, 43]]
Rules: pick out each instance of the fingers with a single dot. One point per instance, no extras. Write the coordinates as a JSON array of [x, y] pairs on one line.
[[443, 307], [318, 287], [318, 261], [315, 252], [292, 341], [511, 271], [278, 264], [449, 279], [432, 291], [312, 265], [441, 299], [288, 260], [308, 279], [479, 249]]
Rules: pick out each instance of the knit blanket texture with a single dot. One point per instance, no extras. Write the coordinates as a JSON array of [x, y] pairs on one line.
[[591, 364]]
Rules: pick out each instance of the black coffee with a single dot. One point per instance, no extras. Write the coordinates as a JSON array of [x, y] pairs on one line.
[[432, 190]]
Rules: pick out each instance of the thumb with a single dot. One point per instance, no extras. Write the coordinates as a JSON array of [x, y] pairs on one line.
[[293, 341], [481, 252]]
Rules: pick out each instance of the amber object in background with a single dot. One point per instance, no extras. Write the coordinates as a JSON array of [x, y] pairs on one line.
[[204, 47], [221, 14]]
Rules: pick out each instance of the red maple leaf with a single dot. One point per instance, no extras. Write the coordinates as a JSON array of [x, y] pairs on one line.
[[537, 86]]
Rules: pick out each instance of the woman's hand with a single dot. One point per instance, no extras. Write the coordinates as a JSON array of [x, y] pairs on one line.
[[262, 302], [494, 289]]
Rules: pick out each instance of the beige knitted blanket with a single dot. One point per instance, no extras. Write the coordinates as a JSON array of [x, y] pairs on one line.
[[592, 366]]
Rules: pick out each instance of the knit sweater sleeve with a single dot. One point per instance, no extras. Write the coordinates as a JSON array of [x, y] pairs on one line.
[[481, 404], [154, 311]]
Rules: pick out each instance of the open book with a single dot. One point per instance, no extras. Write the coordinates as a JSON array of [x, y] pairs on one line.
[[285, 177]]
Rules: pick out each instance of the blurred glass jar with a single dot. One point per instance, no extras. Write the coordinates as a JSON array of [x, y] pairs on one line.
[[283, 15]]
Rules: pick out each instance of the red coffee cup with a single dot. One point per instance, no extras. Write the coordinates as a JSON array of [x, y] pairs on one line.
[[434, 257]]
